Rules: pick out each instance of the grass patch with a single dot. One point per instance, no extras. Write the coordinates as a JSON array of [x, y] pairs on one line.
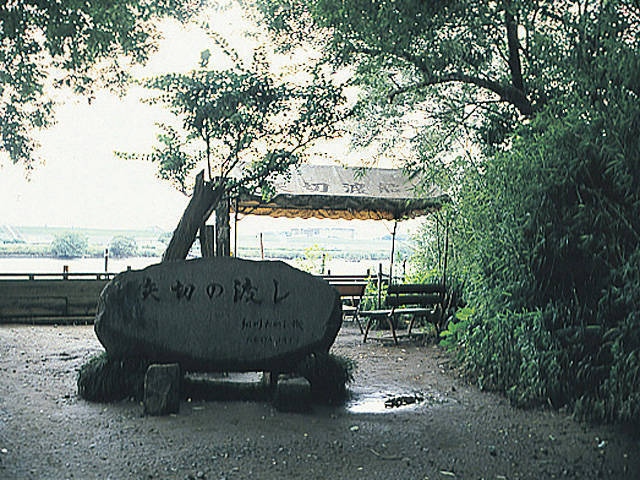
[[105, 379], [329, 376]]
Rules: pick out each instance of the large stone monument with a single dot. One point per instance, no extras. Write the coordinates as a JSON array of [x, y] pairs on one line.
[[218, 313]]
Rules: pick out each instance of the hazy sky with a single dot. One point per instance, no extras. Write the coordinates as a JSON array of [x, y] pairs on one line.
[[82, 184]]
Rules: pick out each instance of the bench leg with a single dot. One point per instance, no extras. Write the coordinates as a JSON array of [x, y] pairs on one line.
[[357, 319], [389, 321], [393, 329], [366, 332]]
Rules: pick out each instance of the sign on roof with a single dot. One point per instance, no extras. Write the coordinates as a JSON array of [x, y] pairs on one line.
[[323, 191]]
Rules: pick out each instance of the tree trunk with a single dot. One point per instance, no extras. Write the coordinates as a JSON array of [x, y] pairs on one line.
[[223, 235], [513, 44], [207, 240], [205, 198]]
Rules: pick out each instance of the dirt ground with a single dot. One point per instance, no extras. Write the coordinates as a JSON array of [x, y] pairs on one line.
[[48, 432]]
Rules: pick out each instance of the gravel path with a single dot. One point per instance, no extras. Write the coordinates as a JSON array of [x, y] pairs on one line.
[[47, 432]]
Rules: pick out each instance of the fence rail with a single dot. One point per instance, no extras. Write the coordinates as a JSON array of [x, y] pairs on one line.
[[50, 298], [57, 276]]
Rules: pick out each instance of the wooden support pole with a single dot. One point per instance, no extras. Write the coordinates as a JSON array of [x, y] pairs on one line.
[[378, 306], [223, 234], [204, 200], [393, 251], [207, 240]]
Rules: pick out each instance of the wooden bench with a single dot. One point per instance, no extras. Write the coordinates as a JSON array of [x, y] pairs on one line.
[[351, 289], [351, 292], [415, 299]]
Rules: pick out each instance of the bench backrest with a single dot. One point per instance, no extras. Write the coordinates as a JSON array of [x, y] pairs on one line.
[[350, 289], [346, 278], [422, 294]]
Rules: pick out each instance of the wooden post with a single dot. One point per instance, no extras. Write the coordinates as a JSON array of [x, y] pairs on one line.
[[207, 240], [393, 251], [204, 200], [261, 247], [379, 286], [223, 240], [446, 255], [235, 228]]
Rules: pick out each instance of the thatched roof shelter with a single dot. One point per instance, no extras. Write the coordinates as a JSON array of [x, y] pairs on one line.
[[324, 191]]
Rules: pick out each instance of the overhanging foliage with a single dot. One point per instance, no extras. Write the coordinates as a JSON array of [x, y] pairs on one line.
[[530, 113], [66, 43]]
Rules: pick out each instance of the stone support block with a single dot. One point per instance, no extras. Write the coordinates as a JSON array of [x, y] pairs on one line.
[[162, 389], [292, 394]]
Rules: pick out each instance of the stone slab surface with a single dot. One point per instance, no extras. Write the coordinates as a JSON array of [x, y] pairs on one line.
[[218, 313]]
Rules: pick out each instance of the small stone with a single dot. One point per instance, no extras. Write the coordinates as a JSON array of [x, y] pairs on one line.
[[293, 395], [162, 389]]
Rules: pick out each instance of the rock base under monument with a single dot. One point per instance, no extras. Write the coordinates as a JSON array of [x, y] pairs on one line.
[[162, 392], [162, 389], [292, 394]]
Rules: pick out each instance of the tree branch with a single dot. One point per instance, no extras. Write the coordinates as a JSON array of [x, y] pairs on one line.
[[507, 93], [513, 44]]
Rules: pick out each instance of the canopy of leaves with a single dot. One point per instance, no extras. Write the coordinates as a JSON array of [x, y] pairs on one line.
[[442, 73], [241, 117], [76, 44]]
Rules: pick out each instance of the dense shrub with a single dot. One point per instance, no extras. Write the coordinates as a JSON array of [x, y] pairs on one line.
[[546, 239], [105, 379], [314, 260], [550, 235], [69, 245], [328, 375], [123, 246]]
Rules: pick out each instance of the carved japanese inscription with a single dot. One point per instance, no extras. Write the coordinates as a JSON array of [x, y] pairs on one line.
[[218, 314]]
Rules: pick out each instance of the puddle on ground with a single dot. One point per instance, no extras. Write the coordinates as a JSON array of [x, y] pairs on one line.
[[379, 402]]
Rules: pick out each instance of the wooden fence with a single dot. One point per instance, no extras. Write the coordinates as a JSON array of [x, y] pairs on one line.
[[50, 298]]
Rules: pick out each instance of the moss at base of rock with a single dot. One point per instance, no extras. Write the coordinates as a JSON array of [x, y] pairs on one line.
[[105, 379], [329, 375]]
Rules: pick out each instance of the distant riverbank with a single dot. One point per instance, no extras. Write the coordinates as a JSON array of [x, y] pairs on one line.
[[29, 264]]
